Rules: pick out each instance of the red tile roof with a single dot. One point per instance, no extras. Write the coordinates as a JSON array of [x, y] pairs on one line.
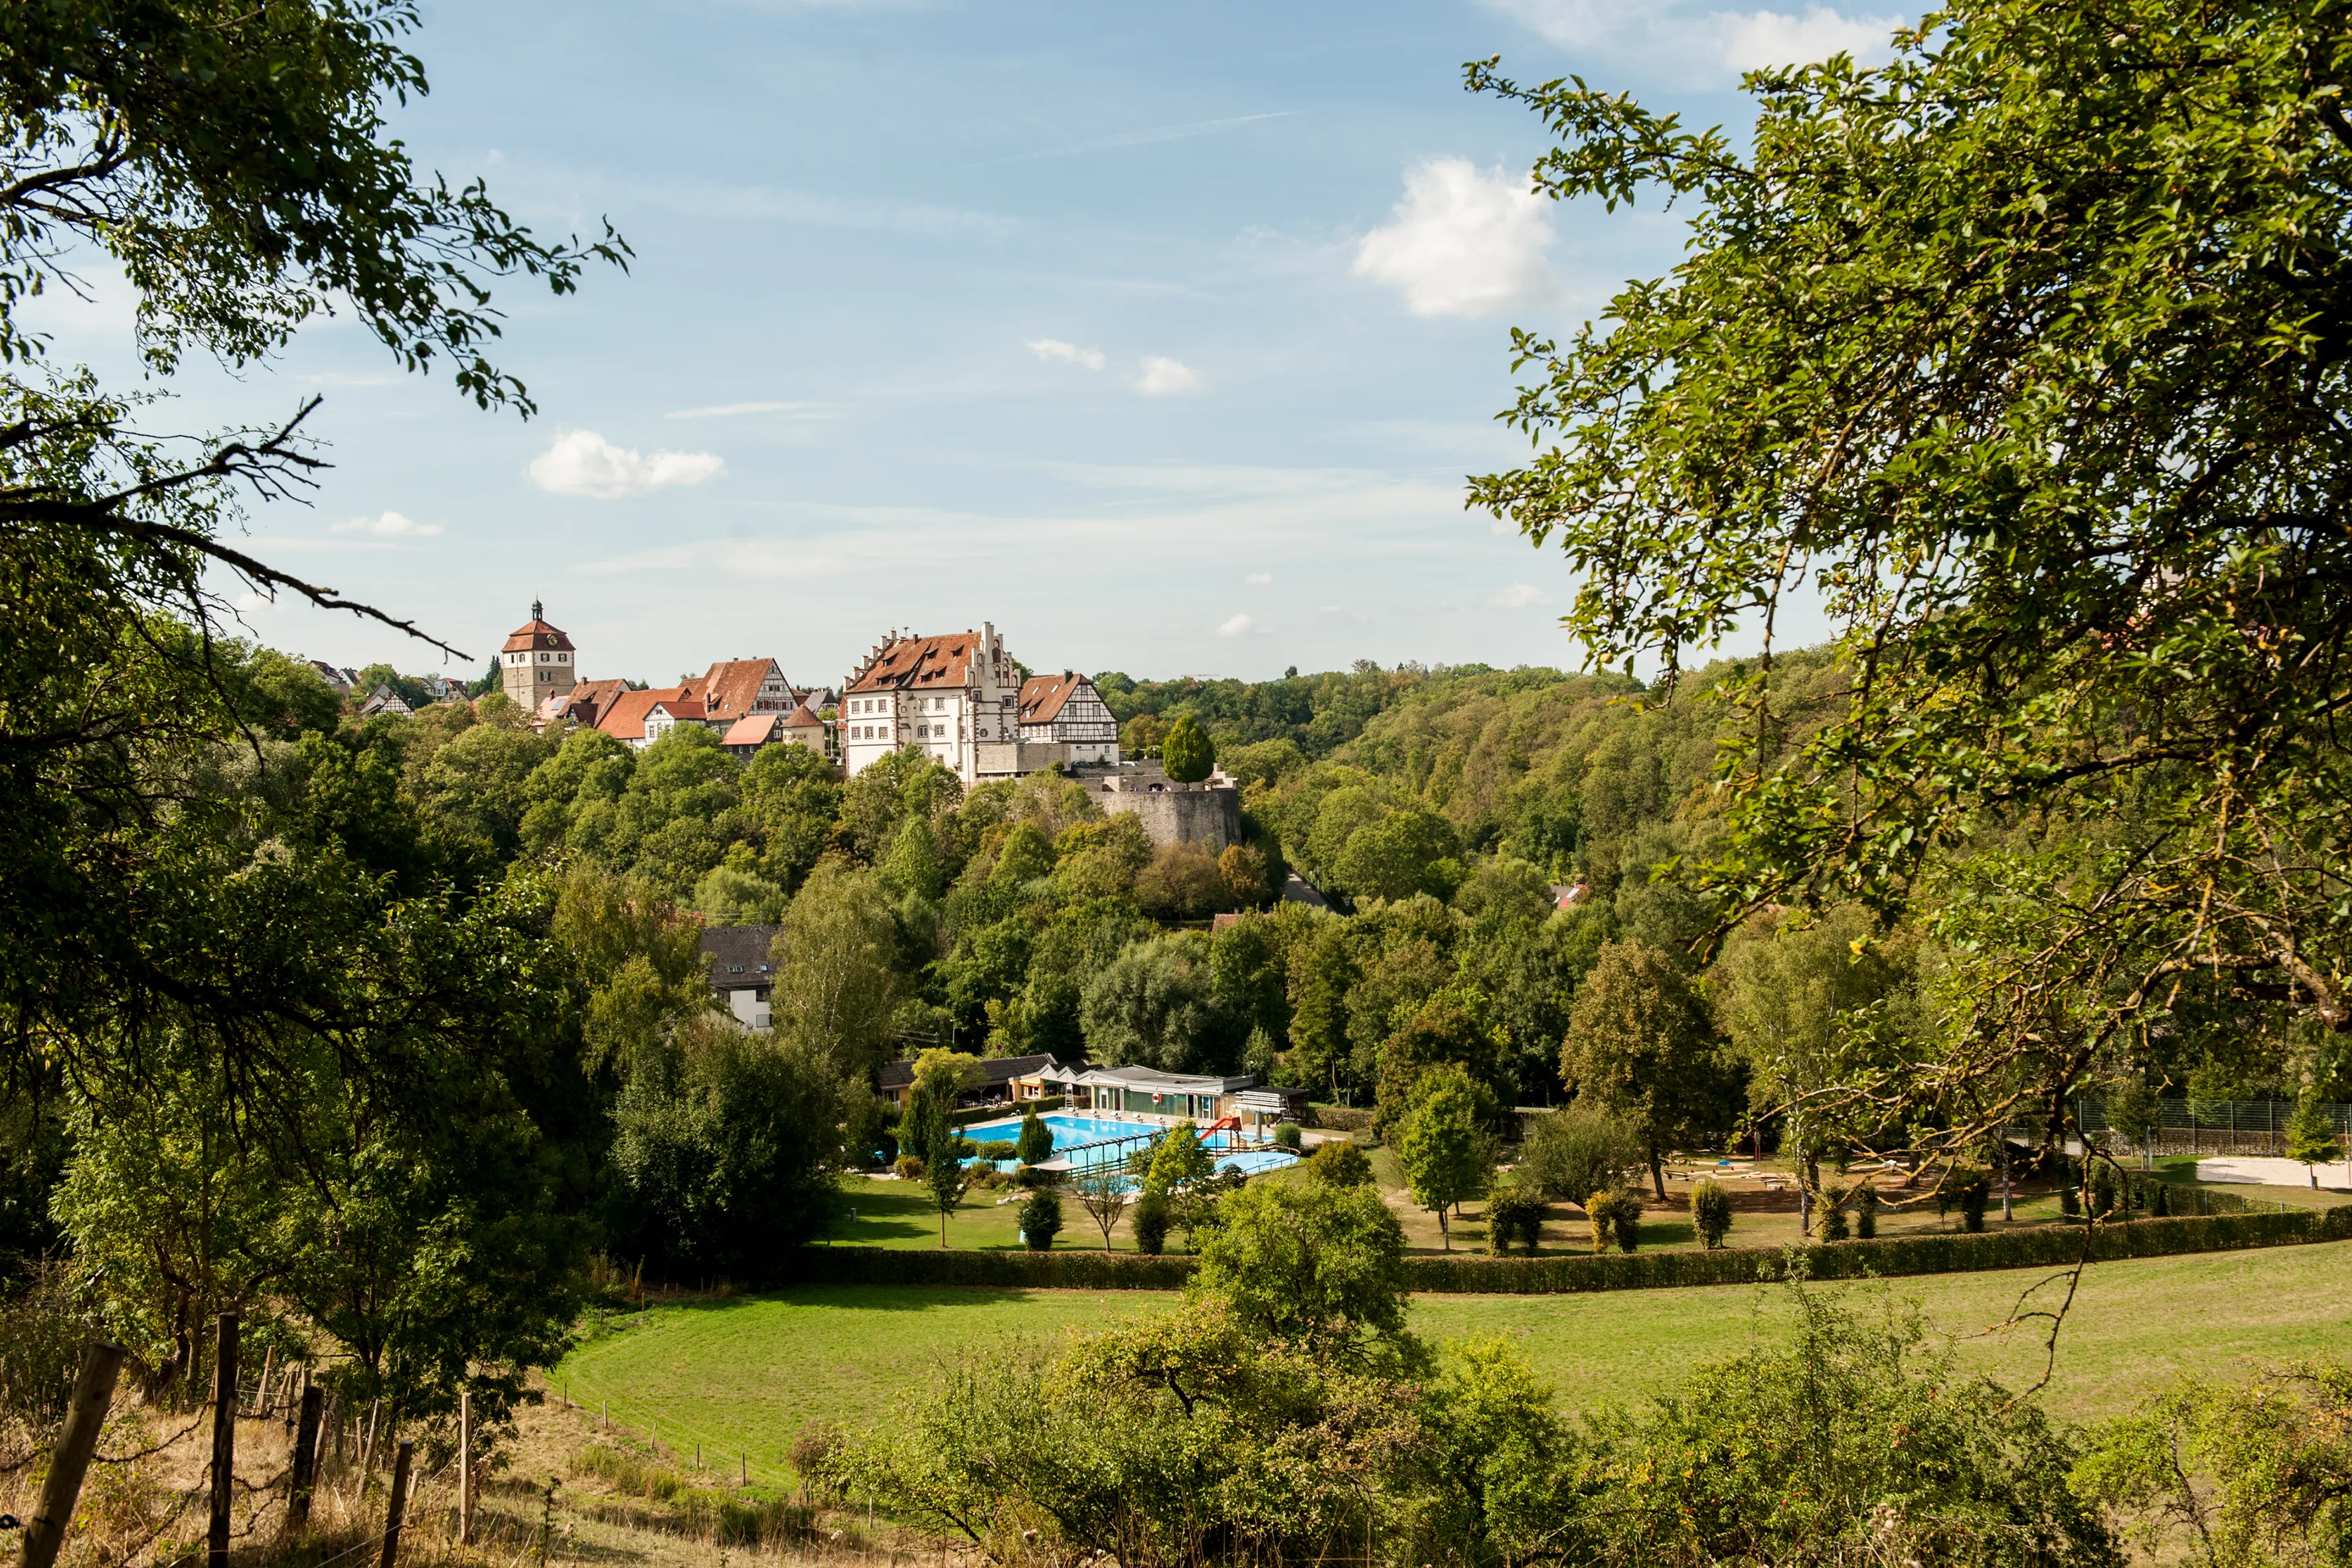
[[1042, 695], [584, 703], [752, 729], [920, 664], [626, 719], [535, 634], [802, 719], [732, 686]]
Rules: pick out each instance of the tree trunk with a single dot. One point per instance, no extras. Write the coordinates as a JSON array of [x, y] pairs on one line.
[[1445, 1236], [1658, 1171]]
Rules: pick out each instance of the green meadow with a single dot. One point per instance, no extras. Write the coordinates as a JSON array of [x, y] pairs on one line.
[[744, 1375]]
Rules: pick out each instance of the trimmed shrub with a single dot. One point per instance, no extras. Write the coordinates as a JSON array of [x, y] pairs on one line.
[[1151, 1221], [1616, 1216], [909, 1166], [2159, 1200], [1710, 1207], [1974, 1193], [1040, 1216], [2110, 1197], [1830, 1201], [1515, 1212], [1035, 1143], [1288, 1135], [997, 1149], [1865, 1211], [971, 1114]]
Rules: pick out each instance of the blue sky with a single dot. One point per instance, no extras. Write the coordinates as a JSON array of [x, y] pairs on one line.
[[1160, 335]]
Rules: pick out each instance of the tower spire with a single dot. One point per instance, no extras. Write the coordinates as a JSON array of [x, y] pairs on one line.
[[535, 611]]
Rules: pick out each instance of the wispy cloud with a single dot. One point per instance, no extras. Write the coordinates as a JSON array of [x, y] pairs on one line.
[[1258, 579], [582, 463], [1234, 625], [1705, 42], [1139, 138], [1517, 596], [1066, 353], [387, 525], [1164, 377], [1464, 241], [730, 410]]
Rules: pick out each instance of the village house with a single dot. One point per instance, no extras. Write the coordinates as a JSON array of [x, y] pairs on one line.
[[800, 727], [384, 699], [947, 697], [1067, 710], [743, 971], [738, 688], [584, 705], [640, 717]]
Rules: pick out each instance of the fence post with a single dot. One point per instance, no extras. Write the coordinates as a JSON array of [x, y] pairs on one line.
[[405, 1456], [94, 1393], [261, 1389], [465, 1466], [223, 1440], [306, 1455]]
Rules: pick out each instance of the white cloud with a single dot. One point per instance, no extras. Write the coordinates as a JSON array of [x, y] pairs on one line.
[[1067, 353], [1464, 242], [1234, 625], [1517, 596], [1753, 40], [1258, 579], [387, 525], [582, 463], [1164, 377], [1711, 43]]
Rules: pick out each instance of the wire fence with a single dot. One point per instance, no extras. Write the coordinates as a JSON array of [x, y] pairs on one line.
[[2218, 1126]]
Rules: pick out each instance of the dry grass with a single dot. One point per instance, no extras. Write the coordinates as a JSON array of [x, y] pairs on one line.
[[561, 1494]]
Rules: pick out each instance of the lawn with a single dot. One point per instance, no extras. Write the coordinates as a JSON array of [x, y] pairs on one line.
[[746, 1373]]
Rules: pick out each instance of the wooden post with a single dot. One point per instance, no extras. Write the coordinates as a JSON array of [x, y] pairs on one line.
[[93, 1392], [404, 1456], [747, 1468], [261, 1390], [367, 1449], [465, 1466], [223, 1440], [306, 1455]]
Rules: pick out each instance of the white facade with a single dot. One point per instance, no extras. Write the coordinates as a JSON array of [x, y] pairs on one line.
[[942, 696], [1067, 710]]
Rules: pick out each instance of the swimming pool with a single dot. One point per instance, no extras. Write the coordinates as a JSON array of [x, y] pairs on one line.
[[1069, 1131], [1074, 1131]]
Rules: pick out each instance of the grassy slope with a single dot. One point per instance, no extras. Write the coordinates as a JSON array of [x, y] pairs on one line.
[[747, 1373]]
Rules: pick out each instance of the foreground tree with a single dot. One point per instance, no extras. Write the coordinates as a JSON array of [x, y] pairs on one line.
[[2027, 355], [1446, 1156]]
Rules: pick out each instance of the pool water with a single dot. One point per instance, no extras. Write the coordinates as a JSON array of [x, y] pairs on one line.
[[1072, 1132], [1069, 1131]]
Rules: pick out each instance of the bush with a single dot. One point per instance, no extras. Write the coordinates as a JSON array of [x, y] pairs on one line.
[[1710, 1207], [1974, 1192], [1616, 1216], [2110, 1198], [1829, 1211], [2159, 1200], [1515, 1212], [1340, 1165], [1152, 1218], [1573, 1154], [1865, 1211], [1288, 1135], [999, 1148], [1041, 1219], [909, 1166], [1035, 1143]]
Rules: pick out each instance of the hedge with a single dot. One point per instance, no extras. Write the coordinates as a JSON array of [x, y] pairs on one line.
[[1948, 1252], [1063, 1268]]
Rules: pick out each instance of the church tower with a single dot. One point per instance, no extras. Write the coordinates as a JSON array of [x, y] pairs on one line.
[[537, 662]]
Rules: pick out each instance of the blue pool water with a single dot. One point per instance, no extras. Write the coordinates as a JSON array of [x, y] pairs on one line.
[[1071, 1132]]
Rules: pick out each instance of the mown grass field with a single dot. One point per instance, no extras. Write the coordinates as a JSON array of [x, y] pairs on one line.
[[745, 1374]]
